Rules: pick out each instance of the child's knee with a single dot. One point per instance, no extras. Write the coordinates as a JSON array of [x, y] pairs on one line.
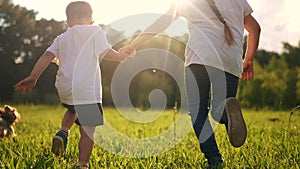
[[87, 130]]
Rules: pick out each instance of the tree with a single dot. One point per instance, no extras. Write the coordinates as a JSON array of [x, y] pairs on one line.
[[146, 81], [23, 40], [16, 28], [250, 93], [263, 57], [291, 55], [45, 31], [276, 80]]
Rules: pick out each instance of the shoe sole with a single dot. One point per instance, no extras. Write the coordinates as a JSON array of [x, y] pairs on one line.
[[237, 131], [58, 146]]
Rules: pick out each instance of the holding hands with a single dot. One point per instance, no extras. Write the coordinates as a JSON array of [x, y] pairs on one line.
[[127, 52], [120, 55]]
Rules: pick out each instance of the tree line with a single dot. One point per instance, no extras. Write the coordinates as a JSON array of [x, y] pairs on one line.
[[23, 39]]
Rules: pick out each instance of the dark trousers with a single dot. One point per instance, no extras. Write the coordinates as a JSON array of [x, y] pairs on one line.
[[208, 87]]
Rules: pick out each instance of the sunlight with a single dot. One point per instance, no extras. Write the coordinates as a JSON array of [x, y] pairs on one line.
[[179, 1]]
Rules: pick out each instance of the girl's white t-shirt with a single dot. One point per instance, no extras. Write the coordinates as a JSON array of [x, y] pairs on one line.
[[78, 50], [207, 44]]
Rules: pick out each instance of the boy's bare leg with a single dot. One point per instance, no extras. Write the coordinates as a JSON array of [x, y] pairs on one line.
[[60, 140], [86, 143], [67, 122]]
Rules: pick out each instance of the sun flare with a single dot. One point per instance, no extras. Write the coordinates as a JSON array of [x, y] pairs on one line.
[[179, 1]]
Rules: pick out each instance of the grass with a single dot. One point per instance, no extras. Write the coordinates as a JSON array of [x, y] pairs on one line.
[[273, 142]]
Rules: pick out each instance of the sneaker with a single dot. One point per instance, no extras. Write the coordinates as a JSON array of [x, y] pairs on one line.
[[216, 166], [82, 165], [237, 131], [220, 166], [59, 144]]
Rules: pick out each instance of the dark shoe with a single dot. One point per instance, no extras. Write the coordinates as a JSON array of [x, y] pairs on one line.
[[82, 165], [59, 144], [237, 131], [220, 166]]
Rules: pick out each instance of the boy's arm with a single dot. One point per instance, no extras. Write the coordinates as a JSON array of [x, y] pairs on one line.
[[253, 28], [29, 82], [113, 55], [42, 64]]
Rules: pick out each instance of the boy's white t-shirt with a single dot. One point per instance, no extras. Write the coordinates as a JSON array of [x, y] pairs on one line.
[[207, 44], [78, 79]]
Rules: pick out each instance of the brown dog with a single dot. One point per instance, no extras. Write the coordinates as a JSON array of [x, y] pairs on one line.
[[8, 118]]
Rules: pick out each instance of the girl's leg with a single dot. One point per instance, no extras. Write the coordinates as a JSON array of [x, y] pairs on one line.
[[224, 89], [224, 85], [198, 98], [232, 83], [218, 97]]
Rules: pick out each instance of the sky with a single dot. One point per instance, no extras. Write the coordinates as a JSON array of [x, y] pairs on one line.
[[279, 19]]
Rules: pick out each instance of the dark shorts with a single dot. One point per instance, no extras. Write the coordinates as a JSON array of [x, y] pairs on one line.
[[88, 114]]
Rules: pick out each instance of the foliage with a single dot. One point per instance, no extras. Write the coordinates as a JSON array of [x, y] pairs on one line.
[[272, 142], [23, 39], [275, 82], [16, 24]]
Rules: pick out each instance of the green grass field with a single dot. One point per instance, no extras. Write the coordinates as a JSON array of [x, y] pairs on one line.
[[273, 142]]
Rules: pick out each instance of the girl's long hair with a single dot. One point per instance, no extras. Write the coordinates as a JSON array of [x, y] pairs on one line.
[[227, 31]]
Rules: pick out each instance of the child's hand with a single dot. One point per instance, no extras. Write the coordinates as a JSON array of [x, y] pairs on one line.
[[127, 52], [27, 84], [248, 72]]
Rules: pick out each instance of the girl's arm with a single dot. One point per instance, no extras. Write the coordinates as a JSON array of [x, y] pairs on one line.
[[253, 28], [157, 27]]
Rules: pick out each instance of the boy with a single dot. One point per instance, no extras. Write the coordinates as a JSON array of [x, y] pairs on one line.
[[78, 80]]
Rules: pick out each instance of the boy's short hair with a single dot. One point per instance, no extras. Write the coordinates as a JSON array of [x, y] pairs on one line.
[[78, 10]]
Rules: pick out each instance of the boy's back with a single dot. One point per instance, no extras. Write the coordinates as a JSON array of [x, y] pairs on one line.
[[78, 51]]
